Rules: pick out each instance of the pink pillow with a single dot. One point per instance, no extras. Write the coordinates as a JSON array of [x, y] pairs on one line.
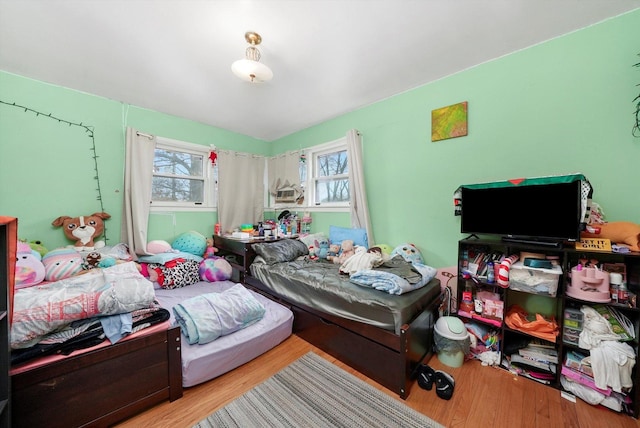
[[158, 246]]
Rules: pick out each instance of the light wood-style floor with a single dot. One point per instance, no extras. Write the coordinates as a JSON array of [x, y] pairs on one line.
[[483, 397]]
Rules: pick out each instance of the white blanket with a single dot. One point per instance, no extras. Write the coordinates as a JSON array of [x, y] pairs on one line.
[[42, 309]]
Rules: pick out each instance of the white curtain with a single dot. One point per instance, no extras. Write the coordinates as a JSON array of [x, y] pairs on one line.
[[138, 174], [240, 189], [284, 171], [359, 207]]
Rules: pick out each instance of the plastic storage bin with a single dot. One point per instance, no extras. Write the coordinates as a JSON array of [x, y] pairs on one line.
[[452, 341], [534, 280]]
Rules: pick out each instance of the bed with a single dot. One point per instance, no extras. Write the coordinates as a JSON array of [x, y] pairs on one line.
[[105, 383], [94, 385], [201, 363], [381, 335]]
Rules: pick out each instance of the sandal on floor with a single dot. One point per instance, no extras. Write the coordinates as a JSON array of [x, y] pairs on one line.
[[426, 377], [444, 384]]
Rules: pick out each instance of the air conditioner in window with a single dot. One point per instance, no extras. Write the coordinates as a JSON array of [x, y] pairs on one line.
[[285, 196]]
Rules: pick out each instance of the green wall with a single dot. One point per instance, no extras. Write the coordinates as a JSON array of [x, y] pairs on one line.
[[47, 167], [560, 107]]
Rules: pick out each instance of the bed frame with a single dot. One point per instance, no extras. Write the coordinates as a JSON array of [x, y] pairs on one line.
[[100, 387], [381, 355]]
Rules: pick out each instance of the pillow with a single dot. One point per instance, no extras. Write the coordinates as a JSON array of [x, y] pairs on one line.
[[175, 274], [358, 236], [61, 263], [311, 239], [285, 250], [190, 242], [163, 258], [215, 268]]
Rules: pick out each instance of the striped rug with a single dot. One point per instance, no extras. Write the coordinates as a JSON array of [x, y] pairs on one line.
[[312, 392]]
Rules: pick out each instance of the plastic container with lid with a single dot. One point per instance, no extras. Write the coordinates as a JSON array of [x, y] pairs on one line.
[[452, 341]]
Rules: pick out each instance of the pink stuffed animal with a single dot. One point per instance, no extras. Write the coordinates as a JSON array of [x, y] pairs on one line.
[[347, 250], [29, 268]]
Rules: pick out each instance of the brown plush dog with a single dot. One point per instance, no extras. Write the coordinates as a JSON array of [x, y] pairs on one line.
[[83, 229]]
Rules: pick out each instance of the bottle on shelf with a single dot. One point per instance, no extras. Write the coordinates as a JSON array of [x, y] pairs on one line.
[[490, 273]]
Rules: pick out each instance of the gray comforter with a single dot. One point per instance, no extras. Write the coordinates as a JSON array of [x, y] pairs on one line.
[[320, 286]]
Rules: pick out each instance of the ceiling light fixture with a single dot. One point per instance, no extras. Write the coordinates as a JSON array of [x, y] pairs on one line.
[[250, 69]]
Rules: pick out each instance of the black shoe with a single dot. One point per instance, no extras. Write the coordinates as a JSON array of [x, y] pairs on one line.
[[426, 377], [444, 384]]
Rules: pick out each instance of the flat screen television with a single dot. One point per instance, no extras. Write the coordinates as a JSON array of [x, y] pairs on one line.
[[546, 212]]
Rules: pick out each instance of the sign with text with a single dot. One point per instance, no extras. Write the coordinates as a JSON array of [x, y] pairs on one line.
[[594, 244]]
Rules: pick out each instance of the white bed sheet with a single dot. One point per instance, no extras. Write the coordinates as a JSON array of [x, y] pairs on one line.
[[201, 363]]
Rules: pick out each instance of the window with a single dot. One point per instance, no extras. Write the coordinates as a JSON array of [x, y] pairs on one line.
[[183, 176], [327, 174]]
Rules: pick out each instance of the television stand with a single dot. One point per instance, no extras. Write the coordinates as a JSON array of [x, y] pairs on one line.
[[533, 241]]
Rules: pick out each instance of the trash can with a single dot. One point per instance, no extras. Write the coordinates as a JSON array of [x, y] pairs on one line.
[[452, 341]]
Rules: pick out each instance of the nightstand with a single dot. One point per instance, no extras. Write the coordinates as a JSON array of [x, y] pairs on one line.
[[235, 251]]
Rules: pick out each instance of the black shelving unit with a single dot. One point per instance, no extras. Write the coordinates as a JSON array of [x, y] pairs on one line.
[[550, 305]]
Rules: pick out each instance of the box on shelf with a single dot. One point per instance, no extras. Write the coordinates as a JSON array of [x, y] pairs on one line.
[[534, 280], [493, 309], [576, 361], [573, 314], [571, 339], [573, 324]]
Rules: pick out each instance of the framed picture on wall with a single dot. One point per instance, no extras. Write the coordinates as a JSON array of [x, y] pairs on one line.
[[449, 122]]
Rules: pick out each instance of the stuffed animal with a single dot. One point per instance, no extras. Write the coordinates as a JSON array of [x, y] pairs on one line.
[[84, 230], [313, 252], [362, 259], [322, 247], [159, 247], [385, 248], [29, 267], [214, 268], [334, 251], [347, 249], [92, 260], [61, 263], [623, 233], [37, 246], [191, 242], [409, 252]]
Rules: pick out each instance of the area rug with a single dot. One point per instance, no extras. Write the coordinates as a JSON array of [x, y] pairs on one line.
[[312, 392]]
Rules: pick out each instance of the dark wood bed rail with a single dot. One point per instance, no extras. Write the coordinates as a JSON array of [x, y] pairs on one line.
[[100, 387]]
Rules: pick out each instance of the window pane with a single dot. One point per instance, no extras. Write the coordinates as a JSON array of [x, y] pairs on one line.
[[332, 164], [332, 191], [177, 163], [177, 190]]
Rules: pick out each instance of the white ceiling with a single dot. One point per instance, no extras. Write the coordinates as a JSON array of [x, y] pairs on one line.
[[328, 57]]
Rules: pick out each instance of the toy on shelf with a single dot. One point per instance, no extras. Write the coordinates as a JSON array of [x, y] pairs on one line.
[[590, 284], [623, 233]]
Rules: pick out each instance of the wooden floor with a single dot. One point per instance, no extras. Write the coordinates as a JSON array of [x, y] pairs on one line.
[[483, 397]]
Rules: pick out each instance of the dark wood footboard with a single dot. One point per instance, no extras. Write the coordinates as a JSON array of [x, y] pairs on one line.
[[100, 387]]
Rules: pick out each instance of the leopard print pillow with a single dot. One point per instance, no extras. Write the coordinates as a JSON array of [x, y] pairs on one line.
[[176, 273]]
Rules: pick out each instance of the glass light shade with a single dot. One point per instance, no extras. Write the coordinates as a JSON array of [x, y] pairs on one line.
[[251, 71]]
